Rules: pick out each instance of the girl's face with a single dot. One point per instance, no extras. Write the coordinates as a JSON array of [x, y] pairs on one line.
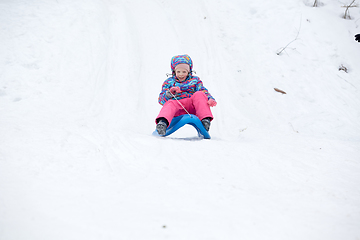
[[181, 74]]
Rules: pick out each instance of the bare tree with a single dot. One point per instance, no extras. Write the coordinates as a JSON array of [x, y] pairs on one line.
[[347, 14]]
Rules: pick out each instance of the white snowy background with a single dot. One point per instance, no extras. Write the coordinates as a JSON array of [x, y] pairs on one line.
[[79, 82]]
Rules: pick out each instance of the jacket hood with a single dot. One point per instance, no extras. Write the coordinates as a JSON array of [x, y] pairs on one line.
[[181, 59]]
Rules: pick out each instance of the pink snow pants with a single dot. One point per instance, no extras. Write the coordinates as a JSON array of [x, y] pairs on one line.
[[196, 104]]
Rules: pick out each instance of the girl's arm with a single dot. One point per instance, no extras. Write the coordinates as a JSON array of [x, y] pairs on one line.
[[163, 98], [200, 87]]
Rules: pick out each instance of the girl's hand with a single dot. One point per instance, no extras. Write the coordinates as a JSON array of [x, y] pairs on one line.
[[212, 103], [172, 92], [175, 90]]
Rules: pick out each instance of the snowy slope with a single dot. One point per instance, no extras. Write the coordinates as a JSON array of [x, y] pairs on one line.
[[79, 82]]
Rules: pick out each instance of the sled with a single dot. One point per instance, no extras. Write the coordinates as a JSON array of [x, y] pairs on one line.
[[180, 121]]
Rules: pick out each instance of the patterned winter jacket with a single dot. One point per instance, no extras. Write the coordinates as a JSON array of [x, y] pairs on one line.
[[188, 88]]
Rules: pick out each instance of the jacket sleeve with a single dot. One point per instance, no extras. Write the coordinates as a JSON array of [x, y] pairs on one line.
[[165, 87], [200, 87]]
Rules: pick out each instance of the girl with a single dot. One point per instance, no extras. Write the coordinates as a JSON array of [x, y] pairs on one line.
[[188, 90]]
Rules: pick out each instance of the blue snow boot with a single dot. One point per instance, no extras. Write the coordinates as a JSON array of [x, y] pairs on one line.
[[206, 123]]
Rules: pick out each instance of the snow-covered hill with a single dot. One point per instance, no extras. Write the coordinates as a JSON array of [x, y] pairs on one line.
[[79, 82]]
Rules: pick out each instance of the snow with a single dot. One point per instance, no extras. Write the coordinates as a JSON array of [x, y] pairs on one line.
[[79, 82]]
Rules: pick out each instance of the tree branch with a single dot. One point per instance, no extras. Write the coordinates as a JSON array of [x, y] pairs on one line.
[[296, 38]]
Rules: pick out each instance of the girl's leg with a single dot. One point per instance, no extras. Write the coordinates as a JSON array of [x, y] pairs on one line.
[[199, 101], [172, 109]]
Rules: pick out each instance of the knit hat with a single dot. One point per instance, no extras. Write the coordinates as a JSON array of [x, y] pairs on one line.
[[183, 60]]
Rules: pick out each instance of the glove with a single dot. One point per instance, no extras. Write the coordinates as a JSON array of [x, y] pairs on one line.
[[357, 37], [212, 103], [172, 92], [175, 90]]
